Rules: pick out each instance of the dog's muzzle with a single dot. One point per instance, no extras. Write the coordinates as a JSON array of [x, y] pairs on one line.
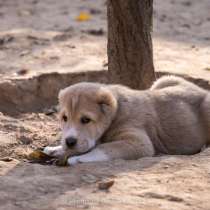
[[71, 142]]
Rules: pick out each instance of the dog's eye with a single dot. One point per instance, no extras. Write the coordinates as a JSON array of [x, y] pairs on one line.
[[65, 118], [85, 120]]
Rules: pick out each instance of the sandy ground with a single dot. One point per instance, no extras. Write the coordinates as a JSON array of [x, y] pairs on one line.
[[43, 37], [182, 37]]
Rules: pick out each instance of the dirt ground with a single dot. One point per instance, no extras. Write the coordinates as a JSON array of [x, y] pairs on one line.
[[39, 39]]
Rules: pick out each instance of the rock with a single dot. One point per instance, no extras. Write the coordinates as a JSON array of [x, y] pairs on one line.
[[6, 159], [89, 178], [6, 39], [22, 71], [105, 185], [95, 32], [94, 11], [25, 140]]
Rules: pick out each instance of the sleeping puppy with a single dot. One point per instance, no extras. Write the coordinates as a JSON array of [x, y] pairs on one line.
[[104, 122]]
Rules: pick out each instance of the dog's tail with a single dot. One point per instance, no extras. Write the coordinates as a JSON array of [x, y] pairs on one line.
[[167, 81]]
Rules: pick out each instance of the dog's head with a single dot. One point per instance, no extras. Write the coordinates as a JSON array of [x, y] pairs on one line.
[[86, 111]]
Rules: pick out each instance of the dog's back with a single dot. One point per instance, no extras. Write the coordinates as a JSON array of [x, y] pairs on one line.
[[174, 112]]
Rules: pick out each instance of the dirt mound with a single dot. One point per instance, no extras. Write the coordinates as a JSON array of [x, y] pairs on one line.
[[40, 92]]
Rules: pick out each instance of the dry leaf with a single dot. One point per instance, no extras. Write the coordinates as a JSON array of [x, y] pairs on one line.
[[39, 156], [83, 16], [207, 68]]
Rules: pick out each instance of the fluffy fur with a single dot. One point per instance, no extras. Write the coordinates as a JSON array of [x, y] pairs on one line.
[[172, 117]]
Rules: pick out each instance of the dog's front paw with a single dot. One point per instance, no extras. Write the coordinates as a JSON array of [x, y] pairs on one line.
[[73, 160], [54, 151], [92, 156]]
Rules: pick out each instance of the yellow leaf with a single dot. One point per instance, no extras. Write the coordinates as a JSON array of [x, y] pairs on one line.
[[83, 16], [39, 155], [207, 68]]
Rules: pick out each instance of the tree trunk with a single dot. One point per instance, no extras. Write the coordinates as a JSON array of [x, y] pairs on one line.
[[130, 55]]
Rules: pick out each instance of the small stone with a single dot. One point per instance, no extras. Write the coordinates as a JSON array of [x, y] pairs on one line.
[[95, 11], [105, 185], [54, 57], [187, 3], [6, 159], [89, 178], [6, 39], [25, 140], [24, 13], [186, 25], [95, 32], [24, 53], [22, 72]]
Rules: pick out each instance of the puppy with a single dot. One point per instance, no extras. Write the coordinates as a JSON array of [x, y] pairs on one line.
[[104, 122]]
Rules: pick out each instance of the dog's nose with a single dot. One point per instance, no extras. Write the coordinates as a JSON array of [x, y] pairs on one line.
[[71, 141]]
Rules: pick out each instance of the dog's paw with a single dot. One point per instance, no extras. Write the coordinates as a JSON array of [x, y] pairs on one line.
[[54, 151], [93, 156], [73, 160]]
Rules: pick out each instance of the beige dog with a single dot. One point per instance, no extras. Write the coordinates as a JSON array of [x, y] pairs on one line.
[[104, 122]]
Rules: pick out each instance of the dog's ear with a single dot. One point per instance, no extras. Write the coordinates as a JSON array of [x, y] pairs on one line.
[[61, 95], [106, 100]]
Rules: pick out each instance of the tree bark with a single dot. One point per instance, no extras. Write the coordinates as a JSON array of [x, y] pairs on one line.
[[130, 53]]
